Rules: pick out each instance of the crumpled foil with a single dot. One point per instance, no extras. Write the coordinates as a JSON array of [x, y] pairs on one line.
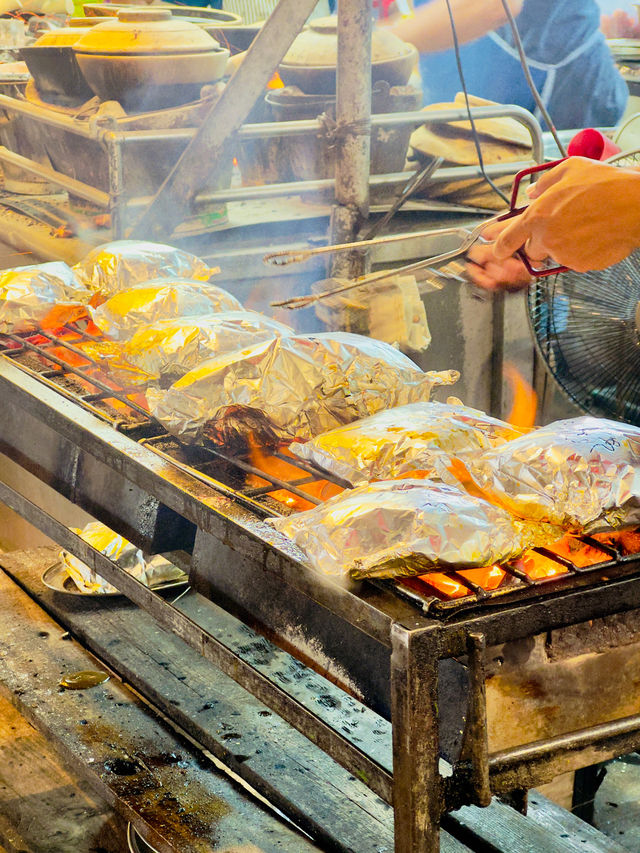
[[123, 263], [400, 528], [43, 296], [404, 441], [291, 387], [581, 473], [166, 350], [150, 571], [124, 313]]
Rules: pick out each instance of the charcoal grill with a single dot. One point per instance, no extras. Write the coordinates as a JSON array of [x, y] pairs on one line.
[[428, 663]]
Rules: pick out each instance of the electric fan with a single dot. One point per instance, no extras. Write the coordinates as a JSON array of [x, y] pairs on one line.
[[587, 330]]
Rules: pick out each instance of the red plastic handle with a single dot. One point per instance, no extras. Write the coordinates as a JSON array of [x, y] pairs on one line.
[[536, 272]]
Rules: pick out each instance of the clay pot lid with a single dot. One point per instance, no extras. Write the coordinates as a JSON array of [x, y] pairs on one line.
[[62, 37], [317, 45], [142, 31]]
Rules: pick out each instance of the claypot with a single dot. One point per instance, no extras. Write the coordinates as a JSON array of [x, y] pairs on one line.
[[146, 59], [53, 66], [310, 62]]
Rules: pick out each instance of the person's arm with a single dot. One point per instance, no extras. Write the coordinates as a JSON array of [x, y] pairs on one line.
[[430, 27], [584, 214]]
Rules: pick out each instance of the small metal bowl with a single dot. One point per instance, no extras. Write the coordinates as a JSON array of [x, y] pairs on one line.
[[136, 843]]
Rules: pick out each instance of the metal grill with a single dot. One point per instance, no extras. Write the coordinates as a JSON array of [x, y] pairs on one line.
[[81, 379]]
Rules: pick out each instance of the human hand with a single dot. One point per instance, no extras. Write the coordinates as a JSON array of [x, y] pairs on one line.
[[486, 271], [584, 214]]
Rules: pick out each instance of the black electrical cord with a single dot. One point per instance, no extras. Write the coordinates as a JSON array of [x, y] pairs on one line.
[[456, 47], [527, 73]]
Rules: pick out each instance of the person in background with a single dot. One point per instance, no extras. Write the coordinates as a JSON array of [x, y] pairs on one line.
[[584, 214], [254, 11], [569, 60]]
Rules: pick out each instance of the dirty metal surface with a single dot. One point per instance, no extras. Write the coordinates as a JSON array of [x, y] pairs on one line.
[[130, 757], [294, 774], [45, 808], [327, 801], [261, 748]]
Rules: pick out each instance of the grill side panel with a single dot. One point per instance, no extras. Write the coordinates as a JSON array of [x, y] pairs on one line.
[[100, 490]]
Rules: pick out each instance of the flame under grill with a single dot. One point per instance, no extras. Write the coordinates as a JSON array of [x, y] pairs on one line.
[[275, 483]]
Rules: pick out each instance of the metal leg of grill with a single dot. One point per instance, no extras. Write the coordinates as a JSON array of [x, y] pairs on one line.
[[417, 784]]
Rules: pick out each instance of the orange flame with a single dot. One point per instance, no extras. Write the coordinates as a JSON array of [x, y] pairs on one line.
[[525, 400], [87, 363], [275, 82], [489, 577], [289, 473]]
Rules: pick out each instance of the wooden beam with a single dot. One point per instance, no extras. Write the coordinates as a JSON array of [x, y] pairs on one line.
[[207, 152]]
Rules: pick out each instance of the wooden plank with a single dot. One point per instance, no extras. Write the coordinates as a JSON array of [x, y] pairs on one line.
[[500, 828], [561, 823], [268, 753], [43, 808], [175, 799]]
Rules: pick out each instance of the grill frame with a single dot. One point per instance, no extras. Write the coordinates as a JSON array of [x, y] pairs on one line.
[[516, 585], [35, 413]]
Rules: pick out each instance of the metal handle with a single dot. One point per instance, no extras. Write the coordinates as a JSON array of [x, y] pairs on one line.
[[536, 272]]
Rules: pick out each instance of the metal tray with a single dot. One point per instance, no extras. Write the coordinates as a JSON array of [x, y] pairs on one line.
[[56, 579], [137, 844]]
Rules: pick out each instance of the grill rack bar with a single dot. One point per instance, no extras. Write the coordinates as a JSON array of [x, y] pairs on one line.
[[424, 595]]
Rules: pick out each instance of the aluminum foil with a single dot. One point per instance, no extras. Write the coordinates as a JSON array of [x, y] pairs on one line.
[[165, 351], [45, 296], [400, 528], [404, 441], [582, 473], [123, 263], [124, 313], [150, 571], [291, 387]]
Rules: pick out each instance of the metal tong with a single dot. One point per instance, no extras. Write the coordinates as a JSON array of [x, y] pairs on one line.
[[467, 239]]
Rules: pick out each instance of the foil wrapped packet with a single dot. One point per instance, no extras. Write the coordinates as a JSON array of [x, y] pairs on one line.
[[165, 351], [400, 528], [121, 264], [291, 387], [150, 571], [124, 313], [581, 473], [43, 296], [406, 441]]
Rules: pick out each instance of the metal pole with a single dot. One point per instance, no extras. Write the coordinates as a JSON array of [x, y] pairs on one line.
[[77, 188], [118, 205], [353, 134], [206, 155], [417, 784], [326, 185]]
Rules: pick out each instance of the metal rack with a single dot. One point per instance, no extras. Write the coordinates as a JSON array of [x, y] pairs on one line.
[[204, 463], [124, 210], [62, 438]]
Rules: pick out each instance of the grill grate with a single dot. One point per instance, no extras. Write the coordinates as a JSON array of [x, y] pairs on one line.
[[82, 380]]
